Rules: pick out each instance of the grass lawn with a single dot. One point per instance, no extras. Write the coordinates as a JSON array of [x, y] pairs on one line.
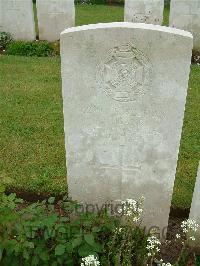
[[32, 155], [31, 138]]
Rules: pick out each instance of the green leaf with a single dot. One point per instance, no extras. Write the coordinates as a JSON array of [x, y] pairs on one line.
[[97, 247], [44, 256], [85, 250], [62, 230], [96, 229], [59, 250], [69, 247], [89, 238], [35, 261], [76, 242]]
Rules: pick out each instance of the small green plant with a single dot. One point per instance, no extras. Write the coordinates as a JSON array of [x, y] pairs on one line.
[[5, 39], [64, 233], [128, 244], [45, 234], [34, 48]]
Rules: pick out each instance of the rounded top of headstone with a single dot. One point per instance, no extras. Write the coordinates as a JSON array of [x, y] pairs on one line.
[[130, 25]]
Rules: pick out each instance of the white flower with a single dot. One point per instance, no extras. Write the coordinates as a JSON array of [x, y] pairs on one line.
[[118, 230], [189, 226], [132, 208], [178, 236], [90, 261], [161, 263], [192, 238], [153, 245]]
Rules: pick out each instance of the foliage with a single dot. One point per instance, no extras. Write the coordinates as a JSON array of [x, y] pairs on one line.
[[197, 261], [5, 39], [128, 245], [36, 234], [44, 233], [31, 48], [167, 3]]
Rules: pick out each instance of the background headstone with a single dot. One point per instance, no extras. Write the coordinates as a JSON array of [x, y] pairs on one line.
[[53, 17], [1, 16], [185, 14], [144, 11], [17, 18], [124, 104], [195, 208]]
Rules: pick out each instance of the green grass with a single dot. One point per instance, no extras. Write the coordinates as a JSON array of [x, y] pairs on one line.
[[166, 16], [90, 14], [189, 155], [32, 139]]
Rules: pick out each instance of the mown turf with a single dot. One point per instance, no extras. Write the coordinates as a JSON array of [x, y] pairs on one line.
[[91, 14], [32, 139], [189, 155]]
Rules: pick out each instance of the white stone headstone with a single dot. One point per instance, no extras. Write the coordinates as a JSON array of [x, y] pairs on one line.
[[54, 16], [17, 18], [124, 104], [185, 14], [144, 11], [195, 208], [1, 16]]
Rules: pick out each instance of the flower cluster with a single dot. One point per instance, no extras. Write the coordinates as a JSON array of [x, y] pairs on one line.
[[189, 226], [90, 261], [132, 208], [153, 246]]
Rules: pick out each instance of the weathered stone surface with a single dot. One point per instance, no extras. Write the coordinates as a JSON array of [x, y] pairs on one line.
[[17, 18], [124, 104], [185, 15], [54, 16], [144, 11], [1, 16], [195, 208]]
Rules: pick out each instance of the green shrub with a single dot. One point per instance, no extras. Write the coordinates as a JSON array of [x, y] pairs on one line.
[[34, 48], [44, 233], [5, 39], [66, 233]]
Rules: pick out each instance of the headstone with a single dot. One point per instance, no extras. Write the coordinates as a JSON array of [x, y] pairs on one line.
[[1, 16], [53, 17], [17, 18], [195, 208], [124, 104], [144, 11], [185, 15]]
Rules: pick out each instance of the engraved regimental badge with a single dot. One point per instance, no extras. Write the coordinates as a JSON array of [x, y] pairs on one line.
[[126, 73]]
